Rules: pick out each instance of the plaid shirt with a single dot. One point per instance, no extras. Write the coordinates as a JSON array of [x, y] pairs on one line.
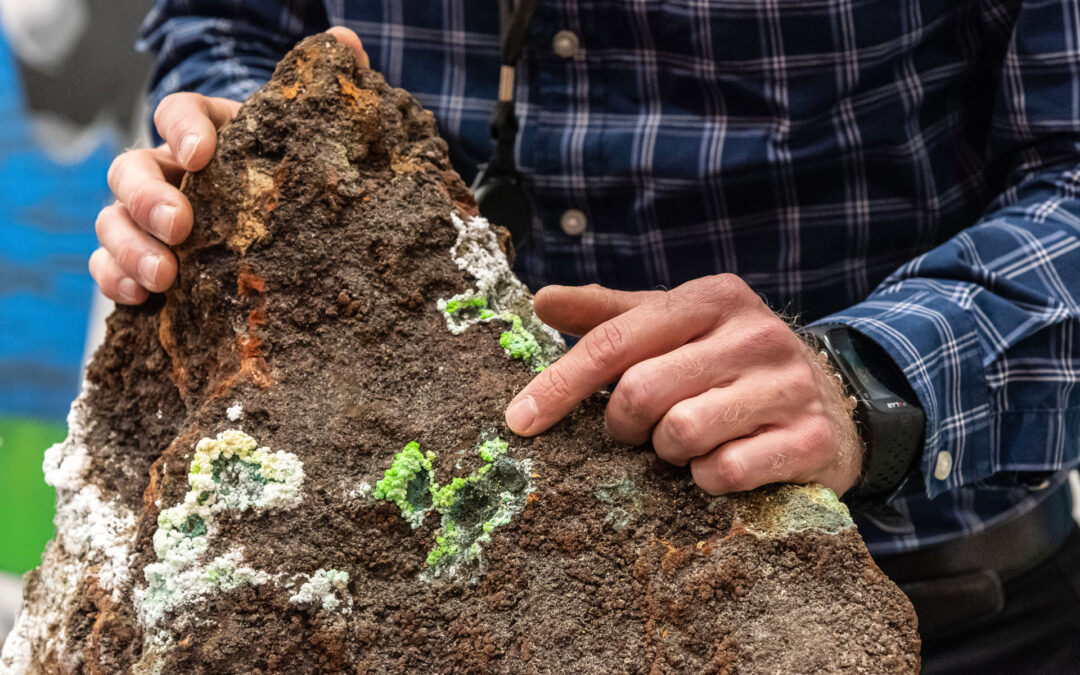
[[908, 168]]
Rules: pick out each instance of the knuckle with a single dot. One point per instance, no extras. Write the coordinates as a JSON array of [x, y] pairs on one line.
[[719, 473], [139, 203], [113, 175], [174, 111], [728, 286], [127, 255], [163, 110], [718, 292], [685, 428], [705, 286], [775, 332], [732, 285], [768, 336], [800, 384], [818, 437], [169, 104], [633, 393], [606, 343], [665, 450], [93, 264], [103, 222], [730, 473]]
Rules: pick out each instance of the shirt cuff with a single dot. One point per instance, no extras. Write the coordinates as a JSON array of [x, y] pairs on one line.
[[934, 342]]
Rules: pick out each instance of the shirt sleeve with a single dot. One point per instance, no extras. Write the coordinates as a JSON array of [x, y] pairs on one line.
[[986, 327], [226, 49]]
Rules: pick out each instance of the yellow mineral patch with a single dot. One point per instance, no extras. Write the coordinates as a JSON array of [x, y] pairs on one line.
[[358, 98], [349, 91], [258, 200], [404, 164], [303, 78], [249, 229], [778, 510]]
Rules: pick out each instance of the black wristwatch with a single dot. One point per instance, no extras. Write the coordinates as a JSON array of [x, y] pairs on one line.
[[887, 412]]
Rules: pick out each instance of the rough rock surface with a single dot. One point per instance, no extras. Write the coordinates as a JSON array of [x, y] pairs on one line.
[[295, 461]]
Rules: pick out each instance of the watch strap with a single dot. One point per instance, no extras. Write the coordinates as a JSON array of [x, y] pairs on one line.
[[890, 422]]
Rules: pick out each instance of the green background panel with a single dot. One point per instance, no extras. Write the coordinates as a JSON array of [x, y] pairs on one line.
[[26, 502]]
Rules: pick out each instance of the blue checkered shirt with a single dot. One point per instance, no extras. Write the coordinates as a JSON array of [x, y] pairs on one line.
[[909, 168]]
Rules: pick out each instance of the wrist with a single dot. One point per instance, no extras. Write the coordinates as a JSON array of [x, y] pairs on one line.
[[840, 407], [887, 415]]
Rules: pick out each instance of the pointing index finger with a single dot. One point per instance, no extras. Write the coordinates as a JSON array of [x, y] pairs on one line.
[[645, 331]]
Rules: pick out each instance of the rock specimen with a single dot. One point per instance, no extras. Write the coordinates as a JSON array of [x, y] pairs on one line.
[[295, 461]]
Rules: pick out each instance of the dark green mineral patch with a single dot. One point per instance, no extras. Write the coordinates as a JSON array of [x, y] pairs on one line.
[[471, 507], [625, 500]]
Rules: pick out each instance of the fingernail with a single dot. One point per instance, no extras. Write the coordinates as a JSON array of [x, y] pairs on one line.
[[128, 290], [521, 414], [188, 145], [148, 267], [161, 221]]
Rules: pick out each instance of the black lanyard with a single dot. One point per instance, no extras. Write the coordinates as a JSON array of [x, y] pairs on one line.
[[514, 28], [514, 20], [497, 188]]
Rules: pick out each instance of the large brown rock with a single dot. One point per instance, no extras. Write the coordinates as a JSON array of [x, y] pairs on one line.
[[229, 499]]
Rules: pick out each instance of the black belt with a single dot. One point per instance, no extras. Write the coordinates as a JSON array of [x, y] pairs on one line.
[[955, 582]]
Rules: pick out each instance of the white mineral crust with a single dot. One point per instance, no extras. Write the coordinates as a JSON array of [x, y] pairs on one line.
[[94, 536]]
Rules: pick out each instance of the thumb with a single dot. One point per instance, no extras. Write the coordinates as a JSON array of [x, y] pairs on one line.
[[575, 310], [352, 41]]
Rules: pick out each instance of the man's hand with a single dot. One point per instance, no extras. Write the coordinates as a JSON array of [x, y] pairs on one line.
[[709, 373], [150, 211]]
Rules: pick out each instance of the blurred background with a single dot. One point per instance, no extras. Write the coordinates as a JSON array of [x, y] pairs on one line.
[[71, 89]]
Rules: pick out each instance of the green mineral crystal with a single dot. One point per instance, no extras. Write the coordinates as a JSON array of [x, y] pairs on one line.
[[409, 483]]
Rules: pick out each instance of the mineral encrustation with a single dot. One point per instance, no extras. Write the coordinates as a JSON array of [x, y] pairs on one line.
[[294, 460]]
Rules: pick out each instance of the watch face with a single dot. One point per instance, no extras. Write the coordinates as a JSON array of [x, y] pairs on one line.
[[864, 381]]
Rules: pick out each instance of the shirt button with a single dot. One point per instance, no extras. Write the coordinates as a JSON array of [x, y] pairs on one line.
[[565, 44], [943, 466], [573, 222]]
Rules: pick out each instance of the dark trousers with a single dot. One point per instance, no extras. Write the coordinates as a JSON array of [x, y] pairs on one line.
[[1037, 631]]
